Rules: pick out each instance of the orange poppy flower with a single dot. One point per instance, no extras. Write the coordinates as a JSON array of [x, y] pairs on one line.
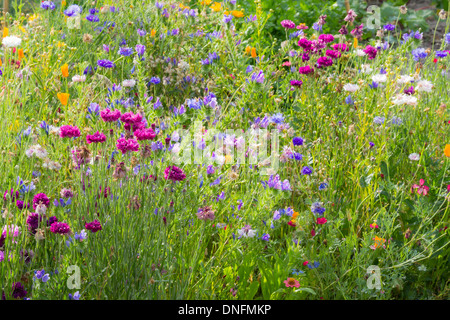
[[253, 53], [447, 150], [63, 98], [237, 14], [65, 70]]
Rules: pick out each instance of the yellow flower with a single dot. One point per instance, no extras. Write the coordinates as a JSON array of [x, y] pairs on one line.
[[63, 3], [65, 70], [248, 49], [217, 6], [63, 98], [153, 33], [253, 53], [182, 6], [294, 216], [228, 159], [207, 2], [447, 150], [5, 32], [1, 62], [20, 53], [237, 14], [355, 42]]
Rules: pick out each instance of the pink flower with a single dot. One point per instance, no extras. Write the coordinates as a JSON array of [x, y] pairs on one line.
[[131, 118], [174, 173], [69, 132], [291, 282], [60, 228], [127, 145], [421, 189], [95, 138], [93, 226], [321, 220], [305, 263], [145, 134], [110, 116], [288, 24]]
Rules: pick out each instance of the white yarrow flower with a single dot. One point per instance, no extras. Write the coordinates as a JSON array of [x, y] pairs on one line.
[[414, 156], [11, 41], [351, 87], [78, 78], [129, 83], [405, 79], [424, 86], [379, 78]]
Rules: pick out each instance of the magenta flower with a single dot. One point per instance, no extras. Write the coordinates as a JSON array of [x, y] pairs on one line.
[[131, 118], [60, 228], [421, 189], [95, 138], [305, 70], [93, 226], [174, 173], [326, 38], [371, 52], [145, 134], [40, 198], [69, 132], [110, 116], [324, 62], [288, 24], [125, 145], [342, 47], [333, 54]]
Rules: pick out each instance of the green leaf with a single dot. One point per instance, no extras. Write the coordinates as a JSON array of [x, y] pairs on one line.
[[305, 290]]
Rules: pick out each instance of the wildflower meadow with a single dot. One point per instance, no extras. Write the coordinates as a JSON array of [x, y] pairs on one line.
[[177, 150]]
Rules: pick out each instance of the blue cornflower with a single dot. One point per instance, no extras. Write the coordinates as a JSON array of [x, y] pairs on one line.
[[297, 141], [249, 69], [389, 27], [92, 18], [277, 118], [397, 121], [265, 237], [276, 215], [374, 85], [316, 208], [315, 265], [323, 186], [125, 51], [379, 120], [141, 33], [307, 170], [441, 54], [297, 156], [317, 27], [155, 80], [73, 10], [227, 18], [46, 5], [104, 64], [419, 53], [75, 296], [447, 38], [349, 100]]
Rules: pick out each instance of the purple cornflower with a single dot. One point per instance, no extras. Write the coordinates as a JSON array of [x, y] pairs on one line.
[[105, 63], [47, 5], [60, 228], [125, 51], [307, 170]]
